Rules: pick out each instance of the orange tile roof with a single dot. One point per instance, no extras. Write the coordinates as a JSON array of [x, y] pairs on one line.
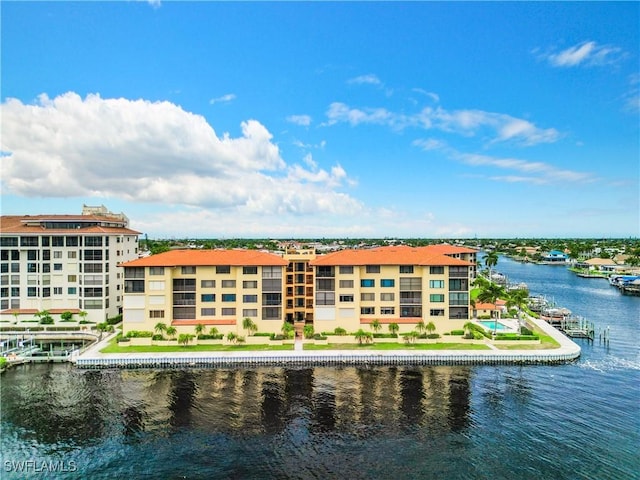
[[446, 249], [15, 224], [181, 258], [392, 255]]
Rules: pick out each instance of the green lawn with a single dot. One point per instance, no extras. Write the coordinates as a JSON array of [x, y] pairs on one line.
[[397, 346], [113, 347]]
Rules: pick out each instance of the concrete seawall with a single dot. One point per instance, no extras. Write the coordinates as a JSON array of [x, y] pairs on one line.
[[568, 351]]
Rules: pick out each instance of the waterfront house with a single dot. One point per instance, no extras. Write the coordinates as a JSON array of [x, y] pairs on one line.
[[555, 257]]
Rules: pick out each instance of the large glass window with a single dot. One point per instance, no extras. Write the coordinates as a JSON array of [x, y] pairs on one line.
[[367, 282], [436, 298], [346, 269], [228, 297], [406, 268], [250, 270], [372, 268], [387, 282], [436, 283], [208, 297], [223, 269]]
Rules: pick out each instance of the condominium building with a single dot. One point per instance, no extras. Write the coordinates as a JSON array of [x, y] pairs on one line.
[[215, 288], [62, 263], [397, 284], [348, 289]]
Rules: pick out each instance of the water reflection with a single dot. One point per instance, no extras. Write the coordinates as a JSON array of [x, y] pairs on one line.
[[74, 407]]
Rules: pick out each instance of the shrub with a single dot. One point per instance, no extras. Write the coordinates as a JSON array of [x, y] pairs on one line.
[[114, 320], [157, 337], [478, 336], [525, 331], [123, 339], [262, 334], [385, 335], [484, 317], [66, 316], [308, 331], [86, 322], [433, 335], [139, 334], [457, 332], [217, 336], [339, 331], [277, 336], [317, 336]]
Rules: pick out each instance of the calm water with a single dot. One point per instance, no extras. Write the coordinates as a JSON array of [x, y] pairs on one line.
[[575, 421]]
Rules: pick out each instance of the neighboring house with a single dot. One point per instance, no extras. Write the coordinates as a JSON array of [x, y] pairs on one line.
[[555, 256], [600, 264], [347, 288], [490, 309], [64, 263]]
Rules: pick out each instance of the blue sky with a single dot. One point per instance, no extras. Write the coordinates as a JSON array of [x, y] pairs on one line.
[[359, 119]]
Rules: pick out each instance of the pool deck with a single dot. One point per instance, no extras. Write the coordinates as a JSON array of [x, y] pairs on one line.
[[93, 358]]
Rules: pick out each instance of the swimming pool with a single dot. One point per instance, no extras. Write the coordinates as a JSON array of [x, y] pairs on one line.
[[493, 325]]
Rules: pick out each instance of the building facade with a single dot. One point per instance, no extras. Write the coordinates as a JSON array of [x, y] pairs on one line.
[[215, 288], [64, 263], [348, 289]]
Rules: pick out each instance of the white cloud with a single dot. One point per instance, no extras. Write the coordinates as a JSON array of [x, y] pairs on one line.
[[229, 97], [429, 144], [369, 79], [145, 151], [587, 53], [433, 96], [303, 120], [531, 172], [463, 122]]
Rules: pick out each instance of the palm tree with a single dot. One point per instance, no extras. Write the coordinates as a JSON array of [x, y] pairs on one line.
[[421, 327], [490, 294], [161, 328], [362, 336], [199, 329], [393, 328], [213, 331], [287, 330], [83, 315], [232, 337], [185, 338], [171, 332], [518, 298], [490, 261], [430, 328], [375, 325], [249, 325]]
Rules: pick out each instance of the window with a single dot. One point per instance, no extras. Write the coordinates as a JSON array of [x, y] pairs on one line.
[[367, 297], [70, 290], [4, 268], [32, 267], [93, 255], [387, 310], [94, 268], [406, 268], [368, 310], [271, 313], [372, 268], [271, 272], [367, 283], [325, 298], [93, 280], [385, 282], [207, 283], [93, 292], [436, 283], [250, 284], [72, 241], [228, 297], [207, 312], [223, 269], [325, 284], [459, 284], [272, 299], [272, 285], [250, 270], [459, 272], [184, 284], [250, 312], [28, 241], [9, 242], [208, 297], [156, 313], [72, 278], [436, 270], [72, 254], [156, 270], [57, 267], [57, 254], [188, 270], [459, 299], [156, 285], [92, 241], [57, 241], [134, 272], [250, 298], [31, 255], [406, 311], [15, 267], [325, 272], [346, 283], [134, 286], [411, 284], [387, 297], [410, 297], [31, 291], [228, 284], [436, 298], [93, 304], [227, 312], [15, 291], [346, 298], [436, 312], [346, 269], [46, 255]]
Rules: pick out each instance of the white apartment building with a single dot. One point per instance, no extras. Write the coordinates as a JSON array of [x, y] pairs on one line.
[[62, 263]]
